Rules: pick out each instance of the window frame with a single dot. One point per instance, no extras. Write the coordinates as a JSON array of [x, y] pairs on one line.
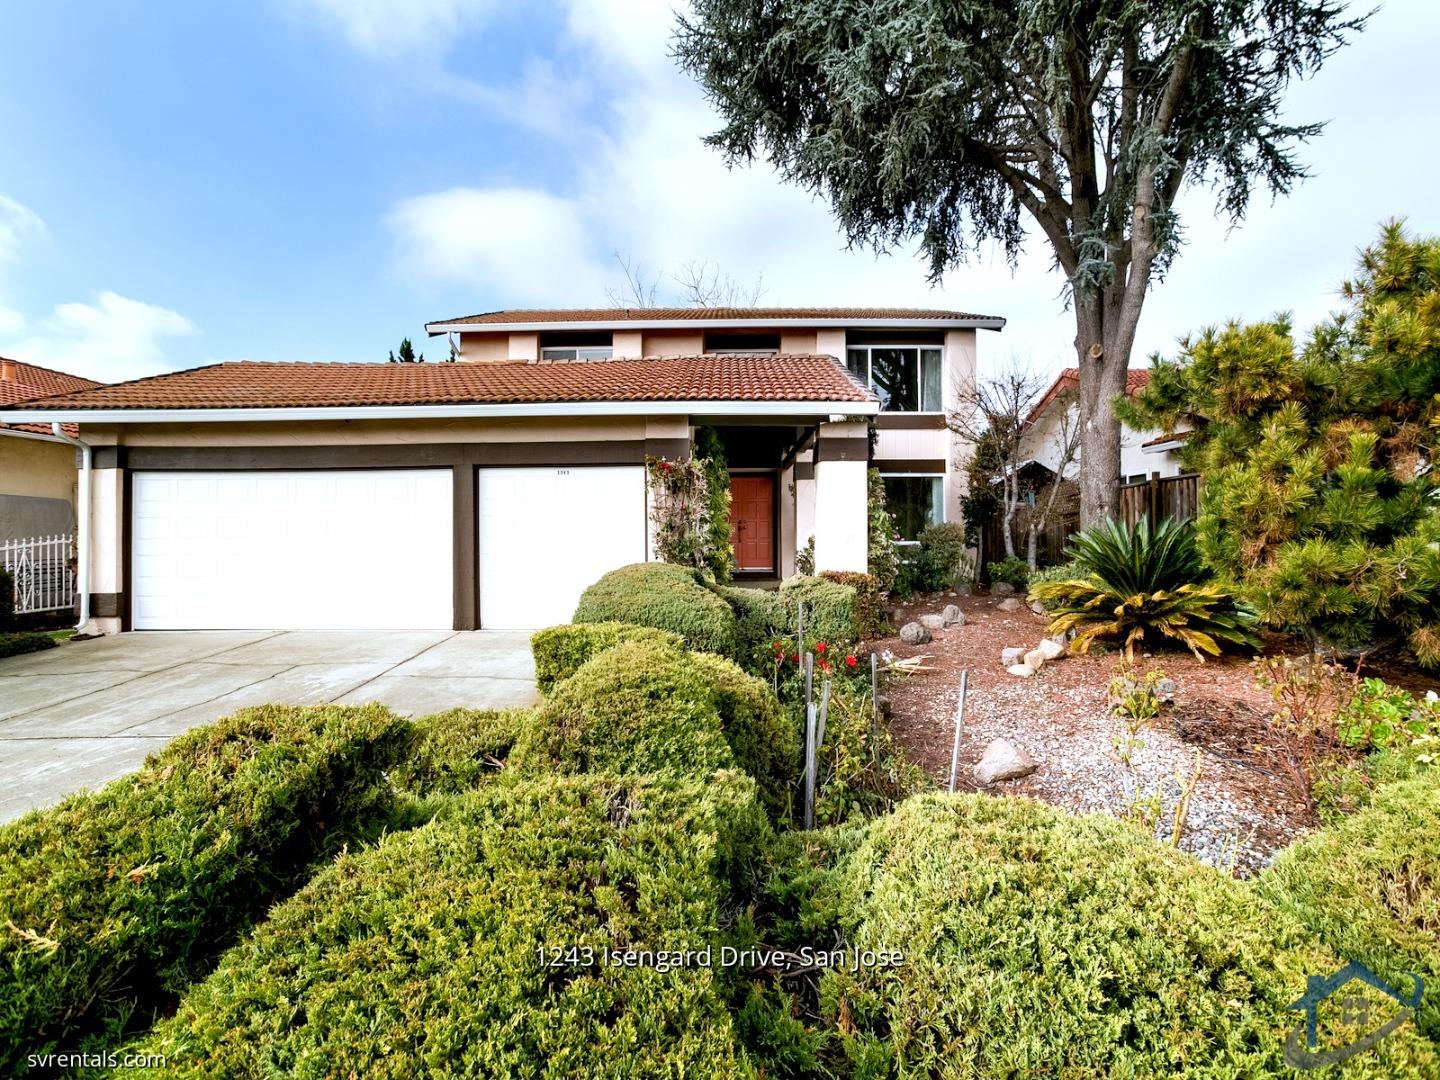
[[579, 352], [919, 476], [910, 346]]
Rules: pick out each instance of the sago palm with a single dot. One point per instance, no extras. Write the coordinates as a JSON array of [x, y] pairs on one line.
[[1143, 584]]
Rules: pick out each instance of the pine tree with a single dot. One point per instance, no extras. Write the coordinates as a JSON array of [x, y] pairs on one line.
[[407, 354], [1320, 499]]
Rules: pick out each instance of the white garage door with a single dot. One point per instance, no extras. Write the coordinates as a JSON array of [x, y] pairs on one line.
[[545, 534], [348, 549]]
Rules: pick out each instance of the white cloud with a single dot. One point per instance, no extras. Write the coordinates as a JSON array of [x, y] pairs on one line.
[[113, 339], [397, 27], [11, 321], [18, 225]]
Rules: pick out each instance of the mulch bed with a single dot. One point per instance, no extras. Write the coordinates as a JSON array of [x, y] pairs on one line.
[[1241, 812]]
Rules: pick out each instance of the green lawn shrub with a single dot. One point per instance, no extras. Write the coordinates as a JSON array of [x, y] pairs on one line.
[[1038, 943], [1369, 887], [559, 651], [830, 609], [870, 618], [27, 641], [665, 597], [460, 749], [758, 730], [422, 956], [7, 600], [761, 618], [640, 707], [112, 901]]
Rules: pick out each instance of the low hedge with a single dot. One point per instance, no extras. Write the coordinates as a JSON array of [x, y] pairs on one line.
[[665, 597], [1369, 887], [458, 750], [758, 731], [25, 642], [761, 617], [112, 901], [830, 609], [1037, 943], [560, 650], [640, 707], [7, 600], [422, 956], [870, 620]]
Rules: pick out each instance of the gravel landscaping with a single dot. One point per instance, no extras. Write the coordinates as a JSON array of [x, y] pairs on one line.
[[1240, 813]]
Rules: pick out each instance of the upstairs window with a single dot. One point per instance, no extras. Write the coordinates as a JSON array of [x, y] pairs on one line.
[[571, 345], [906, 378]]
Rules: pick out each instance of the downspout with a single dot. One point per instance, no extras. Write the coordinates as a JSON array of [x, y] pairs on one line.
[[82, 521]]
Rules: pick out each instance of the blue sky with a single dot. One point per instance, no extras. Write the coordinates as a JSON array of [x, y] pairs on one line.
[[314, 179]]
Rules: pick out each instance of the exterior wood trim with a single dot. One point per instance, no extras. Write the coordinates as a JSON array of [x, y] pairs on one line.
[[847, 448], [910, 465], [109, 605], [900, 421], [396, 455], [804, 470], [466, 575]]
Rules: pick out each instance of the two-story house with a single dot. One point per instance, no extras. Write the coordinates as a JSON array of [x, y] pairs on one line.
[[491, 491]]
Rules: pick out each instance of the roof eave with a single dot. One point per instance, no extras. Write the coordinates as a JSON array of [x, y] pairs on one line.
[[988, 323], [767, 407]]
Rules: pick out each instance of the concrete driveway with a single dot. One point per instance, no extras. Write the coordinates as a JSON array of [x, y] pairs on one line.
[[82, 714]]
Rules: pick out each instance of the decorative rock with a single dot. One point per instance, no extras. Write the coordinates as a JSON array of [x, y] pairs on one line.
[[912, 633], [1002, 588], [1024, 671], [1009, 604], [953, 616], [1035, 659], [1012, 655], [932, 622], [1002, 760], [963, 589], [1051, 648], [1037, 607], [1165, 690]]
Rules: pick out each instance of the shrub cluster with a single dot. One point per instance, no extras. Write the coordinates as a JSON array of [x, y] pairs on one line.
[[830, 608], [870, 620], [7, 600], [1010, 570], [761, 616], [114, 900], [761, 736], [24, 642], [666, 597], [458, 750], [443, 950], [560, 651], [1369, 887], [1038, 943]]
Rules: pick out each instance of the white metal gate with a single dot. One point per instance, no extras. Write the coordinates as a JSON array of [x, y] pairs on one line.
[[43, 568]]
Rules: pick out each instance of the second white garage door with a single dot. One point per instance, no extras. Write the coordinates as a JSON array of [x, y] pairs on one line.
[[545, 534], [303, 550]]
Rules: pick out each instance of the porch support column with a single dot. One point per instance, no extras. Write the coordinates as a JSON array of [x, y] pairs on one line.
[[109, 535], [842, 456]]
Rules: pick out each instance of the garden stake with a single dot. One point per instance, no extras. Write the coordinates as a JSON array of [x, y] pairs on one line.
[[809, 765], [875, 707], [820, 724], [800, 628], [959, 724], [809, 678]]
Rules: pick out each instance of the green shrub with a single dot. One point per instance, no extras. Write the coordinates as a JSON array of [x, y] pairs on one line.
[[719, 557], [113, 901], [1369, 887], [560, 650], [25, 642], [1381, 715], [760, 734], [7, 602], [946, 546], [1011, 570], [883, 562], [665, 597], [1037, 943], [422, 956], [1141, 585], [458, 750], [636, 708], [870, 618], [830, 609], [761, 617]]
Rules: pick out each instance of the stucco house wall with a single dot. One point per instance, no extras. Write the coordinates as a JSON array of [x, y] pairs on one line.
[[37, 486]]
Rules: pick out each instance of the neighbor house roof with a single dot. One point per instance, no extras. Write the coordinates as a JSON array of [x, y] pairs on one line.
[[22, 382], [1068, 381], [255, 385], [659, 317]]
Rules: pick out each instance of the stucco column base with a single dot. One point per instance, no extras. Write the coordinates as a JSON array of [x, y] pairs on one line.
[[842, 535]]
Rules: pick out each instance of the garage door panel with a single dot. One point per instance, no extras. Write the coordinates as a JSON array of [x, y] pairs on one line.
[[547, 533], [356, 549]]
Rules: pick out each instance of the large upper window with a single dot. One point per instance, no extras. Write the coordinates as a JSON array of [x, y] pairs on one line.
[[915, 503], [576, 345], [906, 378]]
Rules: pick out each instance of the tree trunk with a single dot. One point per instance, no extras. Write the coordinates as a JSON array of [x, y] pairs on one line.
[[1105, 326], [1030, 539]]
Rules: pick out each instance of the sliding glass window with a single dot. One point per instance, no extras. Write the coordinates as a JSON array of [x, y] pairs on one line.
[[906, 378]]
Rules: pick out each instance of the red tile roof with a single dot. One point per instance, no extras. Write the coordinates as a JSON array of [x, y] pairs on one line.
[[704, 314], [251, 384], [22, 382], [1068, 381]]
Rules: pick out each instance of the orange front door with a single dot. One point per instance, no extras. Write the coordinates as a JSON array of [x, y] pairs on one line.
[[752, 508]]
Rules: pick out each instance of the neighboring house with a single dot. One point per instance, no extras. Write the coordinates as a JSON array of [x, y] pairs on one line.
[[490, 492], [37, 468], [1143, 454]]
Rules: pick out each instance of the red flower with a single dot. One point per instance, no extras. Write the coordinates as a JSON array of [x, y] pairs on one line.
[[850, 661], [825, 666], [665, 466], [820, 647], [794, 658]]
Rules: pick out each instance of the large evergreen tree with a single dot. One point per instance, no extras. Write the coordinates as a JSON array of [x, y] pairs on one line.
[[945, 121], [1320, 491]]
